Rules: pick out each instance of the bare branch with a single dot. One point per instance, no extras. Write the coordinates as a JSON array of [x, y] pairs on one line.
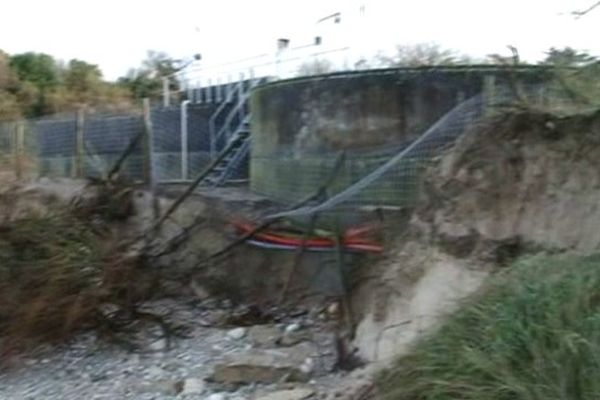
[[580, 13]]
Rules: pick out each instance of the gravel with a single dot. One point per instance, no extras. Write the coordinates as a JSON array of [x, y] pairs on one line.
[[89, 369]]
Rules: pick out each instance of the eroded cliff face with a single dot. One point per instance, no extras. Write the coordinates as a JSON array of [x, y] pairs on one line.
[[526, 181]]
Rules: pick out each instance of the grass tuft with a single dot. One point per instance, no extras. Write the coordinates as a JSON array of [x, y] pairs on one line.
[[533, 333]]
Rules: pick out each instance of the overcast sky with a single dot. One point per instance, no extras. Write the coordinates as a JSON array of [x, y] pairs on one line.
[[115, 34]]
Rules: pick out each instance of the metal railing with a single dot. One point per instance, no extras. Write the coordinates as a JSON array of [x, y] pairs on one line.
[[238, 114]]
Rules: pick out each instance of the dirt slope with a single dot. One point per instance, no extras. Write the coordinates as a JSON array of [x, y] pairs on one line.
[[526, 181]]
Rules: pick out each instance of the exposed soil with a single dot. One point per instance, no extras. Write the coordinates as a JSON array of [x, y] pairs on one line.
[[527, 181]]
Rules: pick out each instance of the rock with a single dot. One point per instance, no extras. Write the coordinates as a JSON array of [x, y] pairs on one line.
[[290, 394], [308, 366], [217, 396], [237, 333], [333, 310], [167, 387], [193, 386], [262, 366], [158, 345], [264, 335], [293, 338], [199, 291], [295, 327], [154, 372]]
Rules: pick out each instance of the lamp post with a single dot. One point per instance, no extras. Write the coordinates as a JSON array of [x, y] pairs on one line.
[[166, 79]]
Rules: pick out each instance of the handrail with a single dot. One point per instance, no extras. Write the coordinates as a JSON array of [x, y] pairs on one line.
[[235, 161], [212, 120], [233, 112]]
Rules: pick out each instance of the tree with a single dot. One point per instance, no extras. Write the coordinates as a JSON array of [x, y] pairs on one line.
[[37, 74], [147, 80], [581, 13], [82, 77], [315, 67], [422, 54], [37, 68], [568, 57], [577, 73], [159, 64], [7, 76], [9, 107]]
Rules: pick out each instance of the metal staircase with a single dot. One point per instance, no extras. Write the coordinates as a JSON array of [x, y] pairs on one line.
[[237, 149], [233, 133]]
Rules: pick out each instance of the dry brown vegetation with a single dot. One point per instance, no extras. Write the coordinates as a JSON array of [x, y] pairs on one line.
[[63, 270]]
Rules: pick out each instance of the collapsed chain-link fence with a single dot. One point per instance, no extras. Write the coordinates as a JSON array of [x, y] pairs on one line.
[[390, 178], [385, 178]]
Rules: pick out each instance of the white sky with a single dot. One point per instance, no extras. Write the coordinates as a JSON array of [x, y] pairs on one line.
[[115, 34]]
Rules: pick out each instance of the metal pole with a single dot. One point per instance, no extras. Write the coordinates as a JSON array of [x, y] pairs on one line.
[[148, 144], [184, 139], [241, 99], [219, 94], [209, 94], [79, 146], [489, 93], [19, 148], [166, 92]]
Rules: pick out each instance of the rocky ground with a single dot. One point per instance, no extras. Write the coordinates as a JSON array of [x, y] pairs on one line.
[[291, 357]]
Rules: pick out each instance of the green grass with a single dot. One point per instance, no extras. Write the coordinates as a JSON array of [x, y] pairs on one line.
[[533, 333]]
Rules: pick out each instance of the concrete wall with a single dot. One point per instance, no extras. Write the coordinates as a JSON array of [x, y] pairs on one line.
[[298, 125]]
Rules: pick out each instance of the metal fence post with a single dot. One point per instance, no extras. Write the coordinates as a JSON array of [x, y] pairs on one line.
[[79, 146], [148, 146], [18, 148], [184, 139], [166, 91], [489, 92]]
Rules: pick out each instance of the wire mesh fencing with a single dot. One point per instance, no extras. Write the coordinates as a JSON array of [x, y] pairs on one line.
[[84, 145], [7, 147], [105, 138], [181, 142], [174, 144], [168, 162], [55, 145], [379, 180]]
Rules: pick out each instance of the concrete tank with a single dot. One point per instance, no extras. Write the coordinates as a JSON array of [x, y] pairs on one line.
[[299, 125]]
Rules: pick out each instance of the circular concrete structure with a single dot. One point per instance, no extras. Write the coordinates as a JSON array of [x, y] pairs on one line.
[[298, 125]]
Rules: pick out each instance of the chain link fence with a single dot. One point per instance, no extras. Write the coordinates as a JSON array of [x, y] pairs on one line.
[[390, 179], [178, 147], [364, 181], [7, 147], [181, 141], [81, 145]]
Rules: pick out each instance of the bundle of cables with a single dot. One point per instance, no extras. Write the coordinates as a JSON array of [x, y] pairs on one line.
[[287, 238]]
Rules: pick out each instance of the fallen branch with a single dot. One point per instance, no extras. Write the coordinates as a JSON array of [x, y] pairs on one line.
[[126, 153], [580, 13], [190, 189], [270, 220]]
